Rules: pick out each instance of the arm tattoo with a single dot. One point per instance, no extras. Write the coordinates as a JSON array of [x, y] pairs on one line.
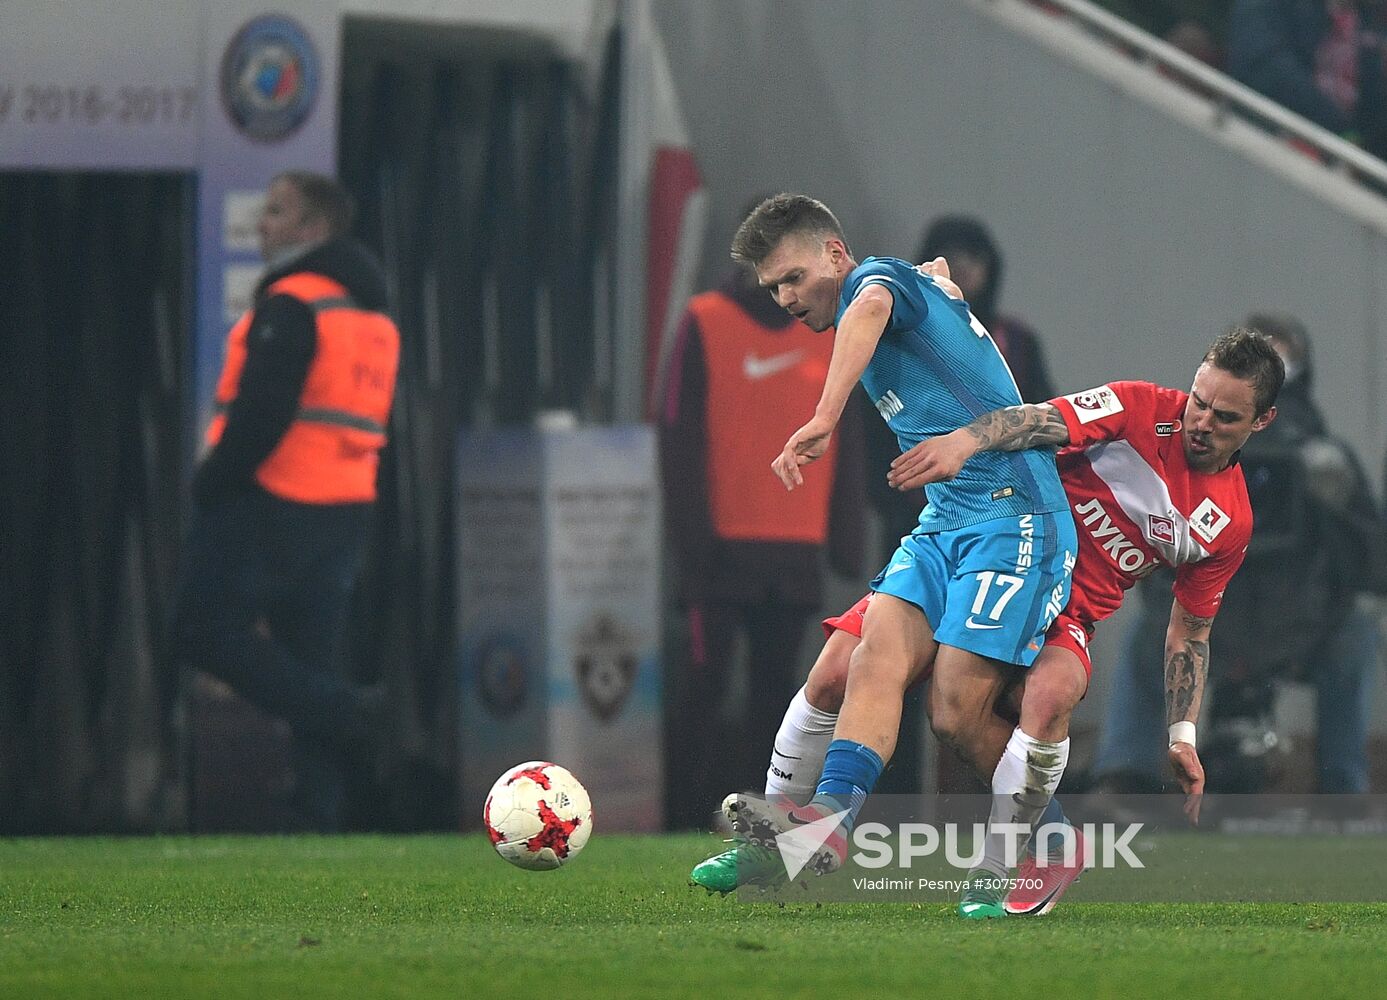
[[1186, 669], [1017, 428]]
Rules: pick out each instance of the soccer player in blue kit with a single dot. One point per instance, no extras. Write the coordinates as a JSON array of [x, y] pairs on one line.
[[972, 590]]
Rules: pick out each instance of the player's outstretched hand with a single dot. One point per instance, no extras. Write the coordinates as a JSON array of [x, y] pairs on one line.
[[933, 460], [938, 269], [1184, 761], [805, 445]]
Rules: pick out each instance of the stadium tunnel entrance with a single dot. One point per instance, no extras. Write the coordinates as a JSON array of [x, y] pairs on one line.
[[94, 305], [483, 165]]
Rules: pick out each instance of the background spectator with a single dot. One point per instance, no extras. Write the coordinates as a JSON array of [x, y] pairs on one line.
[[1320, 58]]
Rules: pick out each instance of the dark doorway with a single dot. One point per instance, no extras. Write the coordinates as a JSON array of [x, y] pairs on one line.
[[94, 327], [483, 163]]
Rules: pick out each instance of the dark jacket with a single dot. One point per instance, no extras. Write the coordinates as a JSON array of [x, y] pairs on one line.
[[1317, 539], [715, 569], [1271, 48], [1018, 343], [279, 350]]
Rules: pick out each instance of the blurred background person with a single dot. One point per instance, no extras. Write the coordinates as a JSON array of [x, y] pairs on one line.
[[1322, 59], [1292, 613], [284, 495], [746, 554]]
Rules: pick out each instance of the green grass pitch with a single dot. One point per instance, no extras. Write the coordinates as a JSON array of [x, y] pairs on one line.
[[442, 916]]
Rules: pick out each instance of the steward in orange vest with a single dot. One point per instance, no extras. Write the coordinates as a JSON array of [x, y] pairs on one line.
[[305, 391], [748, 555], [742, 373], [284, 496]]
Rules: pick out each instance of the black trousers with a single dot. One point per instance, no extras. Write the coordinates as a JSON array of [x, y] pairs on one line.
[[264, 592], [707, 758]]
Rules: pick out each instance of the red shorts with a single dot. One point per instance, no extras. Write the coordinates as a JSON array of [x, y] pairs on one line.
[[850, 621], [1065, 632], [1072, 634]]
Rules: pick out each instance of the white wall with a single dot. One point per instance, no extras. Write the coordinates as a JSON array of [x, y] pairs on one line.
[[1131, 238]]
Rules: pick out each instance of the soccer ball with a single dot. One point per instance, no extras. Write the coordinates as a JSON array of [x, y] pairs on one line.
[[538, 815]]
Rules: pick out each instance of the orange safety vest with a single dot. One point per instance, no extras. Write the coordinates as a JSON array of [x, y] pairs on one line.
[[763, 384], [331, 450]]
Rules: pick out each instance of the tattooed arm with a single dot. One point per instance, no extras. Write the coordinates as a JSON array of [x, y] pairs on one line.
[[1186, 670], [1015, 428], [1186, 664]]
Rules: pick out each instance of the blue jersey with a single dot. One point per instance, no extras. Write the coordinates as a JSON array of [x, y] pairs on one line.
[[936, 369]]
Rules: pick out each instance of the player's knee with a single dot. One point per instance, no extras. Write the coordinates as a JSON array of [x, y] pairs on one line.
[[1047, 705], [828, 679], [824, 689], [871, 668], [953, 718], [1048, 718]]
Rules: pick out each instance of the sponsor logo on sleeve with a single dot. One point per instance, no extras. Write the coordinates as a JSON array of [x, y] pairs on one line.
[[1095, 404], [1167, 427], [1208, 520]]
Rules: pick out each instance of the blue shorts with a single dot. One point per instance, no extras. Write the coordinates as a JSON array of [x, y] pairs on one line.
[[991, 588]]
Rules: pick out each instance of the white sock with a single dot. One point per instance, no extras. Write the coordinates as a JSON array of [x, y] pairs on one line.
[[798, 755], [1022, 786]]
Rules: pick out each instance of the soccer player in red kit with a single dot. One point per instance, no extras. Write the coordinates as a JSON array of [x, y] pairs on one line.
[[1152, 477]]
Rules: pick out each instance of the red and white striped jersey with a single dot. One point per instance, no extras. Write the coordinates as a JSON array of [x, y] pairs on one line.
[[1137, 503]]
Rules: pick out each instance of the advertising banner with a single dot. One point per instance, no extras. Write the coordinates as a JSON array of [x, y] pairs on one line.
[[101, 85], [269, 81], [559, 611]]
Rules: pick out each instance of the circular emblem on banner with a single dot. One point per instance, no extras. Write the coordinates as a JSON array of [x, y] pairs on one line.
[[269, 78], [605, 662], [501, 675]]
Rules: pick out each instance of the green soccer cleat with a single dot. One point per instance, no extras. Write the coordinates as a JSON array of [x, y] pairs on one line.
[[982, 896], [744, 864]]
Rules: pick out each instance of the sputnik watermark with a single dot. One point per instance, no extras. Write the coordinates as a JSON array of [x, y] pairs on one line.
[[878, 846], [1136, 848]]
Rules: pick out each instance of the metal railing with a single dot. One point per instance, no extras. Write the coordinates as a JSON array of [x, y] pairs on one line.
[[1225, 95]]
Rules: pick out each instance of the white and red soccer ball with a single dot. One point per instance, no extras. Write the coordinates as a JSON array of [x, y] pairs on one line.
[[538, 815]]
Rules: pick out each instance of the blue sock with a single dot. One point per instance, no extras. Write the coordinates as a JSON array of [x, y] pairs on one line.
[[1052, 814], [850, 771]]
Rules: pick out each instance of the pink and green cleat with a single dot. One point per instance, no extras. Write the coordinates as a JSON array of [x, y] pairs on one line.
[[1039, 887]]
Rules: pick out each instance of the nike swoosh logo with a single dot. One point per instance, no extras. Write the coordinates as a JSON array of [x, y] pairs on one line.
[[897, 568], [797, 847], [972, 624], [758, 368]]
